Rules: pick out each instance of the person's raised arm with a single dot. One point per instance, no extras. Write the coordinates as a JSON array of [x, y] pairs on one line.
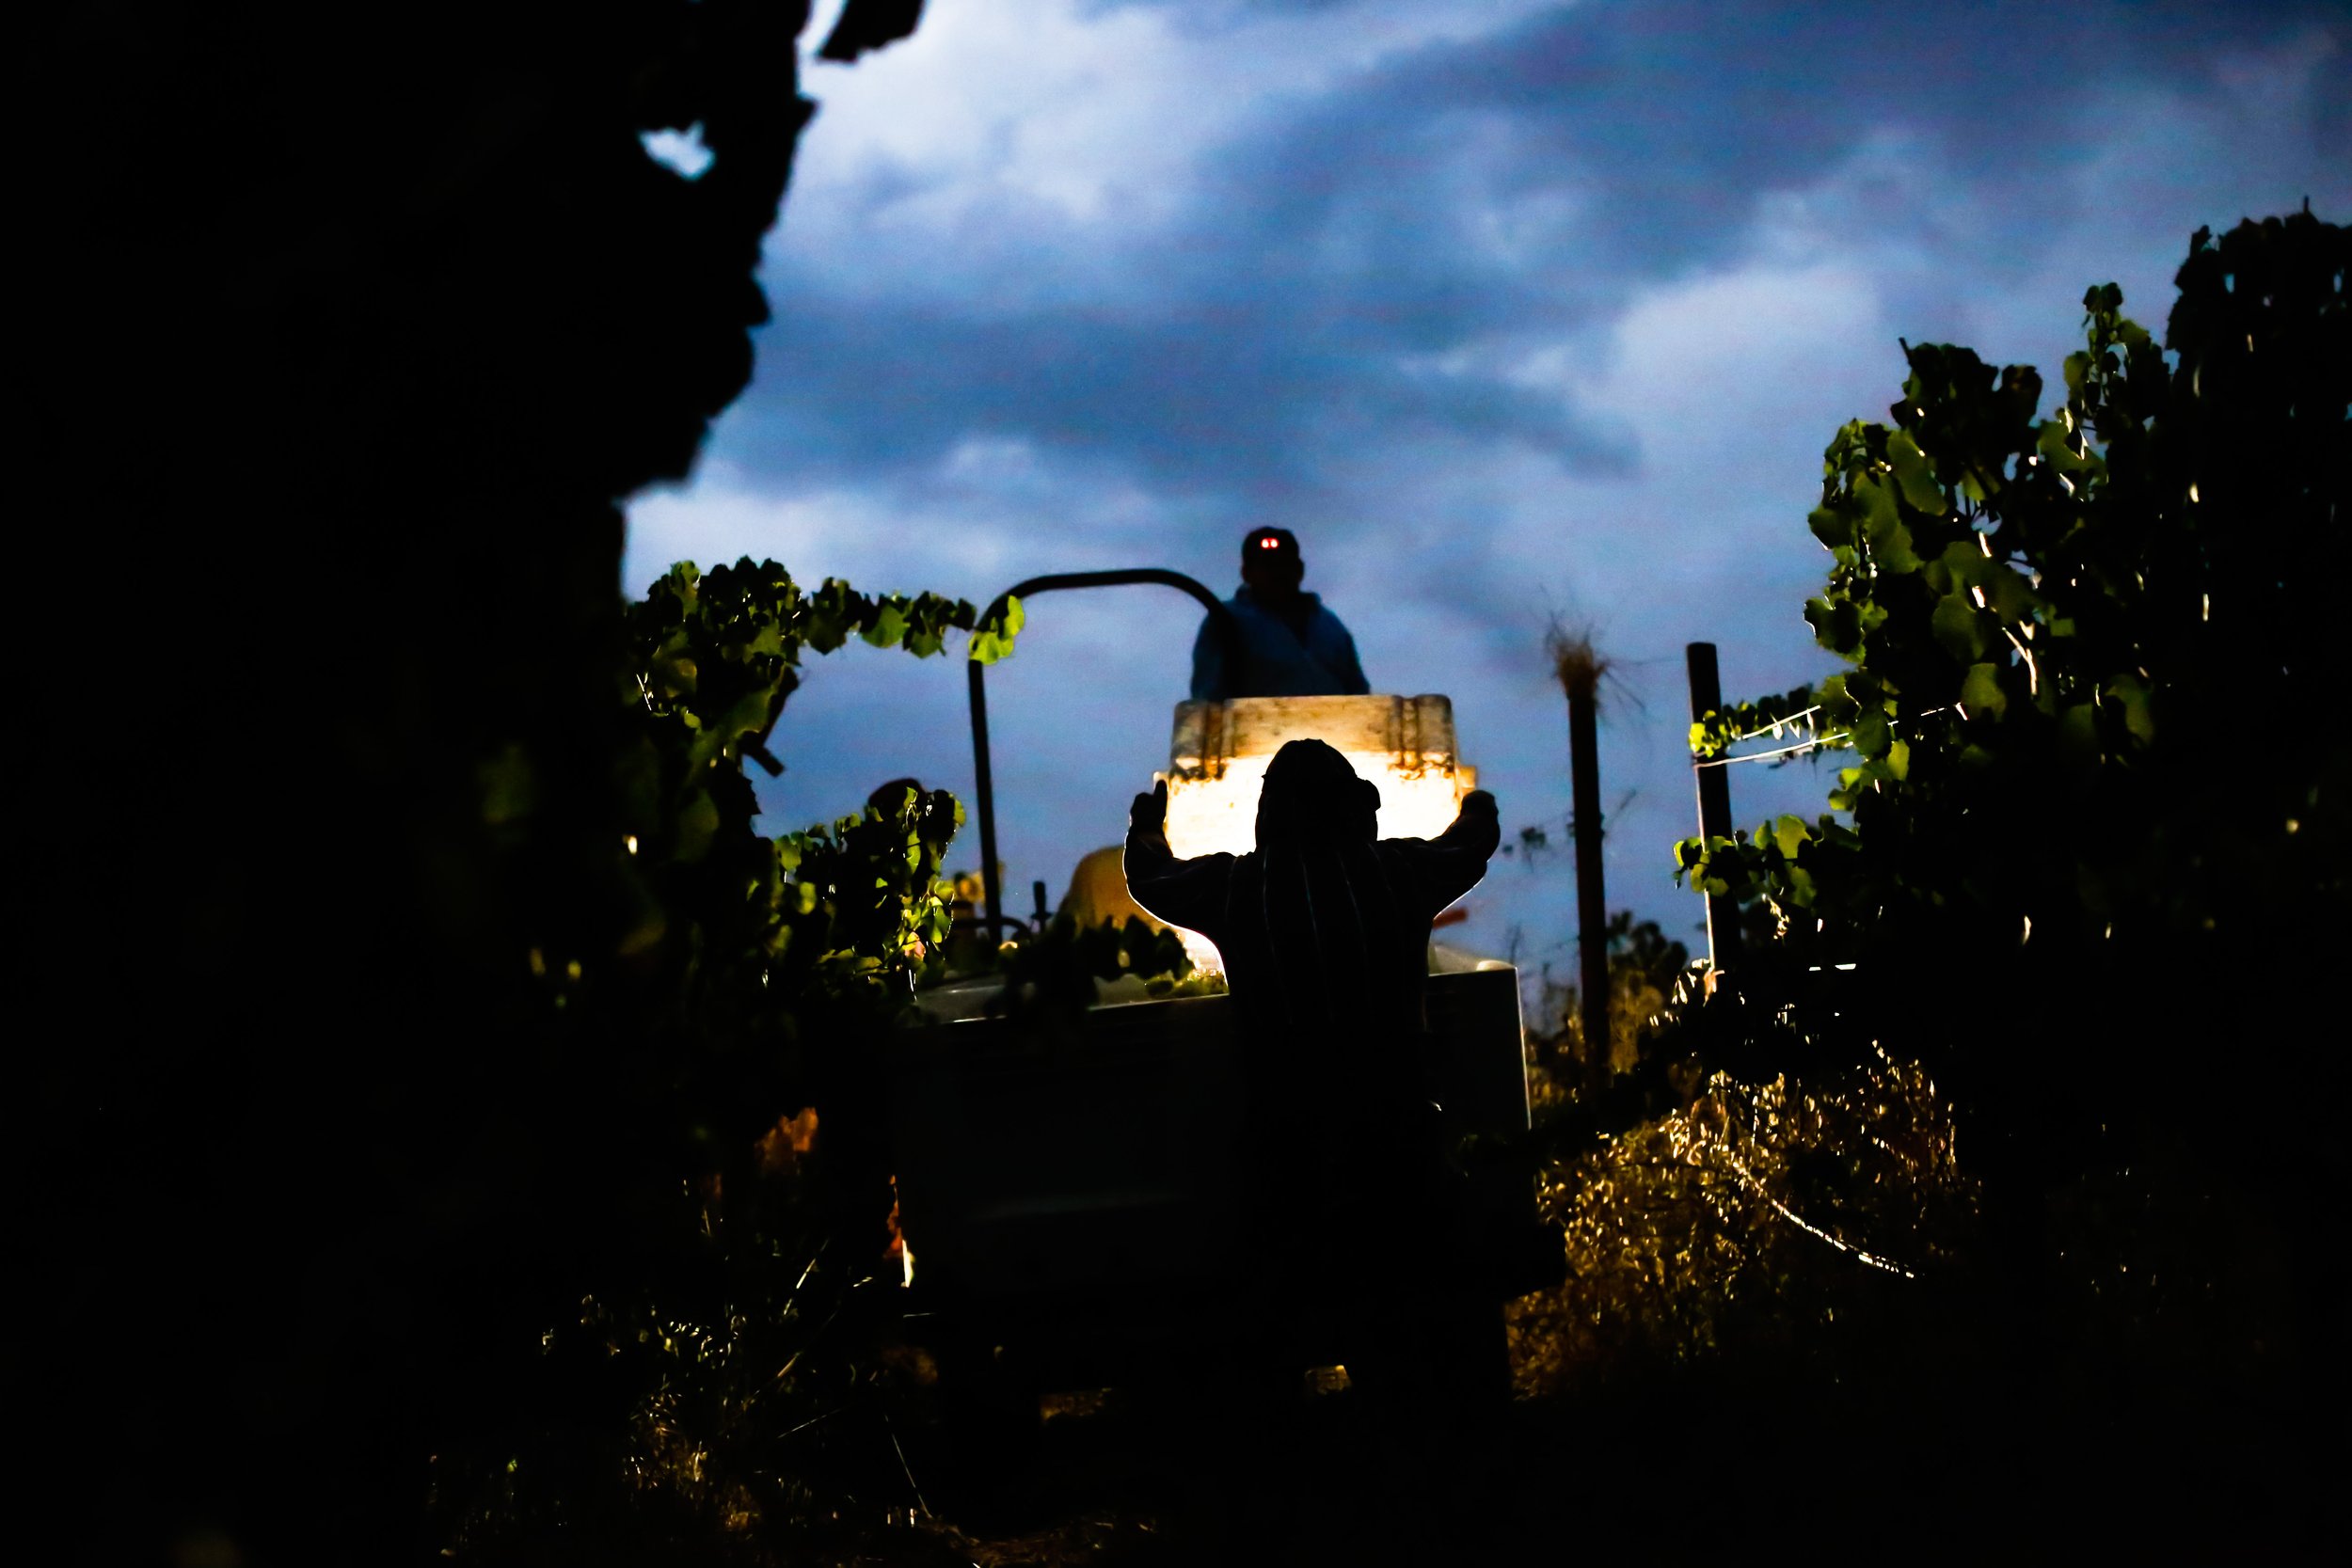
[[1190, 894], [1148, 854], [1453, 863]]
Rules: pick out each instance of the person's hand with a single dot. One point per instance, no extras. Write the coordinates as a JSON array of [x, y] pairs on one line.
[[1148, 813]]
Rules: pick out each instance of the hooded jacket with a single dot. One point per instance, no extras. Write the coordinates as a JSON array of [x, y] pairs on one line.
[[1305, 654]]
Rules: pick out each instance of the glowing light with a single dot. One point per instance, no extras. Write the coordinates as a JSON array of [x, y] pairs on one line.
[[1218, 756], [631, 842]]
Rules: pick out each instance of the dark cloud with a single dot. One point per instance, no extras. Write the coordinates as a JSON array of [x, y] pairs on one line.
[[1339, 240], [1666, 118], [1243, 400]]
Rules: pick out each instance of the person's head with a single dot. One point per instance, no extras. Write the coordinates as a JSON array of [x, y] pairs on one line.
[[1311, 793], [1270, 564]]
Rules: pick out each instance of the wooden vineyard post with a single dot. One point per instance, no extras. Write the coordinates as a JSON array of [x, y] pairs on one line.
[[1723, 914], [1592, 899], [1579, 668]]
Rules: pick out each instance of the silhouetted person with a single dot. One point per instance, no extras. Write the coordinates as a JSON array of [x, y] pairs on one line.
[[1323, 929], [1325, 925], [1284, 644]]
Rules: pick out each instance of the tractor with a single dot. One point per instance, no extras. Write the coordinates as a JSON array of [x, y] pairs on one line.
[[1070, 1198]]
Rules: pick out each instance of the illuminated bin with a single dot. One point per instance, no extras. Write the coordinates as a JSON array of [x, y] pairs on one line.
[[1219, 756]]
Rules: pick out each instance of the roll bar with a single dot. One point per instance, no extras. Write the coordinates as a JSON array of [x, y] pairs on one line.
[[977, 675]]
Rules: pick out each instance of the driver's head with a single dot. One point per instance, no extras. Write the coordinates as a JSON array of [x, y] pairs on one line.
[[1312, 794], [1270, 562]]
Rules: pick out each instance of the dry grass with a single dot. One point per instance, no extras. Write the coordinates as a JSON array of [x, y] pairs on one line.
[[1751, 1222]]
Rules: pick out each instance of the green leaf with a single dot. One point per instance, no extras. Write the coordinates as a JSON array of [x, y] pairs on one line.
[[1891, 548], [697, 825], [1833, 525], [889, 627], [992, 643], [1835, 835], [2013, 598], [1964, 563], [1872, 734], [747, 715], [1788, 832], [2078, 735], [1914, 474], [1836, 626], [1870, 492], [1980, 692], [2077, 372], [2133, 694], [1957, 628]]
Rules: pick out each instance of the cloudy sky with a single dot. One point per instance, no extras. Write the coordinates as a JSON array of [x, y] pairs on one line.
[[1513, 310]]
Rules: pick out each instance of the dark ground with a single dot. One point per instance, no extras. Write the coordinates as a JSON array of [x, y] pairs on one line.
[[1967, 1461]]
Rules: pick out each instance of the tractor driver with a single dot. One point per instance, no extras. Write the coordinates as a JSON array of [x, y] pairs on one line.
[[1285, 643]]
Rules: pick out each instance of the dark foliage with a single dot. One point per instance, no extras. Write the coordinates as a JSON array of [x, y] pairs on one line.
[[349, 332], [2096, 801]]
